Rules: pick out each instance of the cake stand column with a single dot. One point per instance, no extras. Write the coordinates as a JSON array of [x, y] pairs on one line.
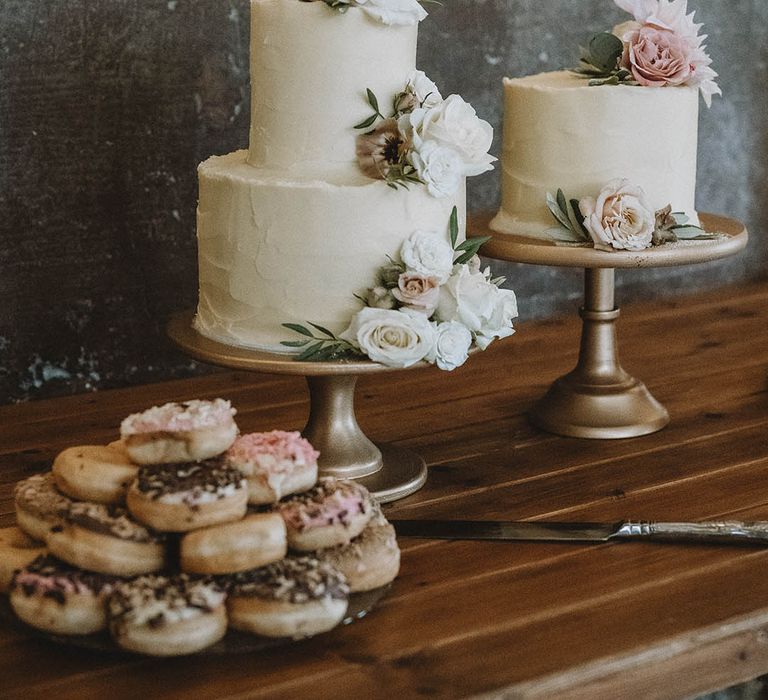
[[599, 399], [345, 451]]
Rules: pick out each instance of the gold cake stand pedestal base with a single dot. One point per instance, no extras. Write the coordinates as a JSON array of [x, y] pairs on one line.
[[599, 399], [389, 472]]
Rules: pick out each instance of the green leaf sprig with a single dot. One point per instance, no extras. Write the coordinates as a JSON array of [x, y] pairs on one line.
[[323, 348], [374, 102], [469, 247], [568, 215], [600, 61]]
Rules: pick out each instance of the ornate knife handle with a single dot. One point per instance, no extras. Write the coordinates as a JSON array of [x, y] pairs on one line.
[[726, 531]]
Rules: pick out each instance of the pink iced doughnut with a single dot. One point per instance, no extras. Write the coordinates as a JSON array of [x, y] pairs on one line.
[[332, 513], [276, 464], [51, 596], [179, 432]]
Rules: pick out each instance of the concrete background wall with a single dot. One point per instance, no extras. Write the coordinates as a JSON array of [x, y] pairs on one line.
[[107, 106]]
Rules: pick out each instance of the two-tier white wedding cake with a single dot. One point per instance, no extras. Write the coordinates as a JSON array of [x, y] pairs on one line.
[[345, 219]]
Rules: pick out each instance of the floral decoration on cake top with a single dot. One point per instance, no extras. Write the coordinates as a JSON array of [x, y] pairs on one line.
[[394, 12], [424, 140], [662, 46], [432, 304], [619, 218]]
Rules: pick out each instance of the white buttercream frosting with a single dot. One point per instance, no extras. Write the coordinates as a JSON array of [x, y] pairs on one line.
[[559, 132], [276, 250], [310, 68]]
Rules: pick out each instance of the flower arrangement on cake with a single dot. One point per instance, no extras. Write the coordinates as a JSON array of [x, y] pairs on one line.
[[425, 140], [397, 12], [662, 46], [431, 304], [620, 218]]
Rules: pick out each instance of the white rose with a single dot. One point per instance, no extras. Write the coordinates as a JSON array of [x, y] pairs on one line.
[[473, 300], [392, 338], [425, 90], [429, 254], [452, 344], [455, 124], [400, 12], [620, 218], [440, 168]]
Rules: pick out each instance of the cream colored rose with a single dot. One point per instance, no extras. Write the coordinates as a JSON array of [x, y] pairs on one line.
[[425, 90], [392, 338], [620, 218]]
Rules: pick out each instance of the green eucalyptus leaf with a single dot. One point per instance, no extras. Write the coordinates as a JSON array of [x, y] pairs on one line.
[[473, 243], [464, 259], [324, 331], [605, 49], [577, 218], [368, 122], [564, 235], [298, 329], [553, 206], [294, 343], [562, 203], [310, 352], [373, 101], [690, 232], [454, 227]]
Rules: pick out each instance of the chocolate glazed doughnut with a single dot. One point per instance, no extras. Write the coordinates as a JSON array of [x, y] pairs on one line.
[[57, 598], [163, 616], [105, 539], [296, 597], [184, 497], [39, 505], [17, 550]]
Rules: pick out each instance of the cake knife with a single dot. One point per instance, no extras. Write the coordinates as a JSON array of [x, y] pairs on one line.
[[728, 532]]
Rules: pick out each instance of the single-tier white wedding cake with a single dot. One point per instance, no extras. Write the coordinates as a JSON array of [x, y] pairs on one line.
[[354, 155], [606, 154]]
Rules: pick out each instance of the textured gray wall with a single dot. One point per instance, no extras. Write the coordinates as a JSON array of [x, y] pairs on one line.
[[107, 106]]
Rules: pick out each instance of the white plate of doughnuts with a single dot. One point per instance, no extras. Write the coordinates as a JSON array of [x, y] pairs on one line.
[[186, 537]]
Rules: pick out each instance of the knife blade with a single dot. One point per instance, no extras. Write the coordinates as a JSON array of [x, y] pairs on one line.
[[724, 532]]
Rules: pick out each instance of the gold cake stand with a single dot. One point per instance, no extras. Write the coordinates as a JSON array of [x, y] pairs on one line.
[[599, 399], [389, 472]]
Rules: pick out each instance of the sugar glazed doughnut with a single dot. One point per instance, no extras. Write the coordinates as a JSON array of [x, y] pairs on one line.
[[107, 540], [332, 513], [254, 541], [184, 497], [163, 616], [39, 505], [94, 473], [296, 597], [369, 561], [276, 464], [179, 432], [17, 550], [51, 596]]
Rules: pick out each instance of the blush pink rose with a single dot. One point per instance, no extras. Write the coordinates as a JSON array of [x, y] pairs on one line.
[[418, 292], [658, 57]]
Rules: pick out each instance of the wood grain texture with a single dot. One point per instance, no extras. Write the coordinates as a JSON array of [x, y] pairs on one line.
[[512, 620]]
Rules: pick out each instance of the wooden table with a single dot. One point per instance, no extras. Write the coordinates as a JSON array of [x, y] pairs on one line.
[[518, 620]]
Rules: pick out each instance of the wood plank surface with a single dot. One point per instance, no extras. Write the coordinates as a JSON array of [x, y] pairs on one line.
[[488, 619]]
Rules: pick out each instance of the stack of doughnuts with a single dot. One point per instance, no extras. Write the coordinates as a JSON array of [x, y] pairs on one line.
[[183, 528]]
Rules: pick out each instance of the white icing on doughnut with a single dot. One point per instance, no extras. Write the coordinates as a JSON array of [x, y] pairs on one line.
[[179, 417]]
